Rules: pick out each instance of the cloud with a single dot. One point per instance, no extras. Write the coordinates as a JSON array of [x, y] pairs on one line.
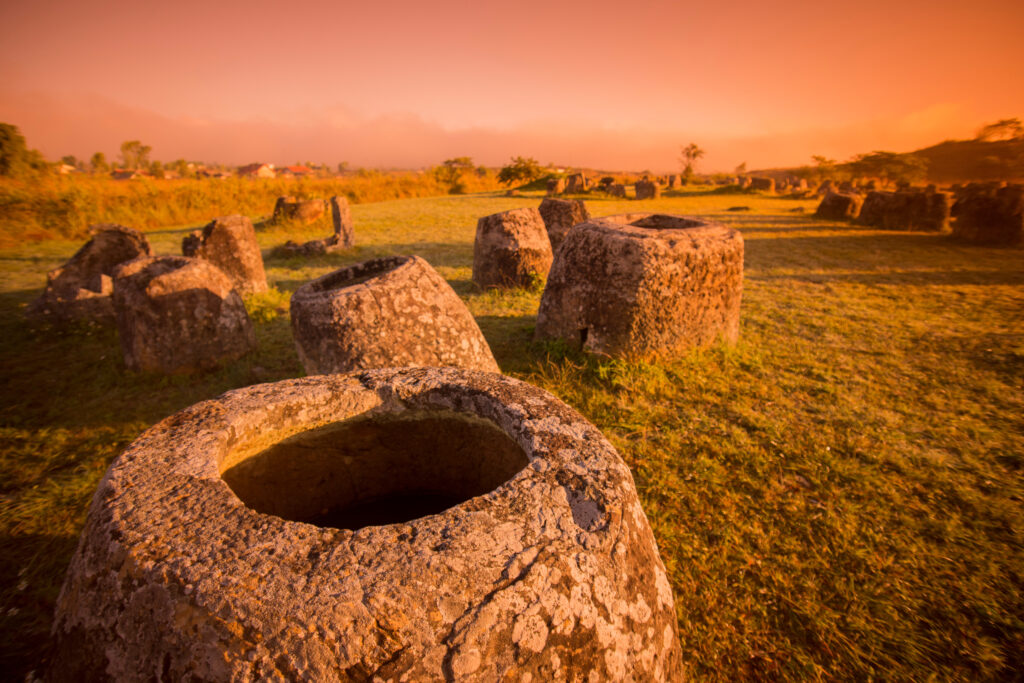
[[81, 125]]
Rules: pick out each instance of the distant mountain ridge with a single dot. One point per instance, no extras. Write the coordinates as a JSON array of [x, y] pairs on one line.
[[958, 160], [951, 161]]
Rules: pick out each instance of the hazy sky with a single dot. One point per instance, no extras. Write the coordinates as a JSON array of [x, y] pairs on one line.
[[595, 83]]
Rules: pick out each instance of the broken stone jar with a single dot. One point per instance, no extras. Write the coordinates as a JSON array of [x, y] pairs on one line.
[[402, 524]]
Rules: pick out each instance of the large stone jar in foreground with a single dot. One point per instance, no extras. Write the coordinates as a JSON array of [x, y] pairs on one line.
[[178, 314], [417, 524], [388, 312], [640, 284]]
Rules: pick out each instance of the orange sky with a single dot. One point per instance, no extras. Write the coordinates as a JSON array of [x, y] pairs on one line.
[[596, 83]]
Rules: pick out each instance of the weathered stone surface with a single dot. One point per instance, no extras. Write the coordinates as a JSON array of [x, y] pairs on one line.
[[179, 314], [388, 312], [745, 182], [617, 190], [647, 189], [577, 183], [81, 288], [229, 242], [300, 210], [225, 543], [836, 206], [639, 284], [556, 186], [763, 184], [344, 230], [911, 210], [561, 214], [674, 181], [511, 249], [990, 214]]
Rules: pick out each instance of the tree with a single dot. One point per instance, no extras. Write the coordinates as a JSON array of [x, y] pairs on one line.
[[156, 169], [342, 167], [741, 169], [16, 159], [134, 154], [890, 166], [825, 168], [180, 167], [451, 170], [69, 160], [522, 169], [689, 159], [1004, 129], [98, 163]]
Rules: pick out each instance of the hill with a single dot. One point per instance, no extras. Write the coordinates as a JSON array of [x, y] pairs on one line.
[[947, 162], [958, 160]]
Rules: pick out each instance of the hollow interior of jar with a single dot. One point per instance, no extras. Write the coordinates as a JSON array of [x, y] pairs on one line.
[[660, 221], [359, 273], [379, 468]]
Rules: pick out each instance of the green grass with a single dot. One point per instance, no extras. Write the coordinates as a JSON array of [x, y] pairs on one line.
[[837, 496]]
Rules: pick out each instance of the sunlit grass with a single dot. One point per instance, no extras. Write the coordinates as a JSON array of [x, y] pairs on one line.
[[839, 495]]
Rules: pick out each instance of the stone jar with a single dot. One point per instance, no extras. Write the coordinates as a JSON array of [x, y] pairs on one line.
[[906, 210], [229, 242], [341, 219], [511, 249], [81, 288], [301, 210], [836, 206], [389, 312], [342, 238], [642, 284], [402, 524], [647, 189], [560, 215], [179, 314]]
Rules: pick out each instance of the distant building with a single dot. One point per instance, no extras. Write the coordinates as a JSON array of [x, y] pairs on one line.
[[257, 171], [295, 171]]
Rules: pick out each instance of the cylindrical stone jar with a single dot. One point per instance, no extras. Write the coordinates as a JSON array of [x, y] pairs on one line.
[[395, 311], [641, 284], [402, 524]]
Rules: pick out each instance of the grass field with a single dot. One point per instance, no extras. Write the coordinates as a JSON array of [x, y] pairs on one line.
[[838, 496]]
